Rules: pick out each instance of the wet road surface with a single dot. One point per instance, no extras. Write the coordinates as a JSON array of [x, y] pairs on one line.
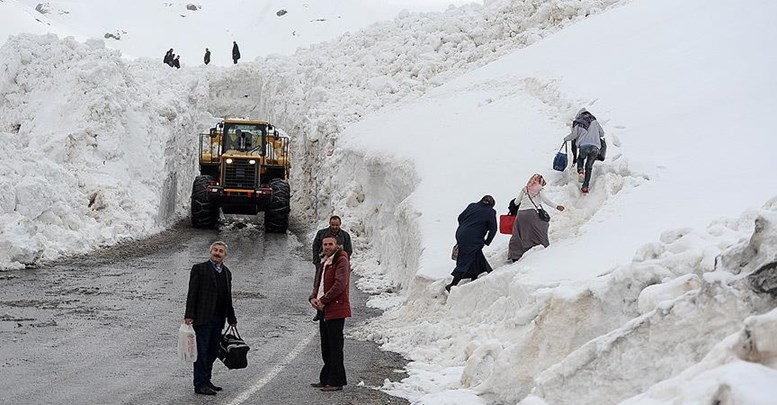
[[103, 328]]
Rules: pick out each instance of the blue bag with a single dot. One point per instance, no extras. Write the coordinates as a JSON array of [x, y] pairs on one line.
[[560, 161]]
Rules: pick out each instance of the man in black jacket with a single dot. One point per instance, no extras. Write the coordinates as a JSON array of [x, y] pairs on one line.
[[235, 52], [208, 305], [343, 239]]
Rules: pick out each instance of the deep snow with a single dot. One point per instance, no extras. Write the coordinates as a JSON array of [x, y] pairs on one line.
[[643, 292]]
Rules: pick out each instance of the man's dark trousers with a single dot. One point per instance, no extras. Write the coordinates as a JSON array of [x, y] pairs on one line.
[[333, 372], [208, 338]]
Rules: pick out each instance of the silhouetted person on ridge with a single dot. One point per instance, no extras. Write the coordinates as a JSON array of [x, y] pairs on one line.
[[235, 52], [168, 57]]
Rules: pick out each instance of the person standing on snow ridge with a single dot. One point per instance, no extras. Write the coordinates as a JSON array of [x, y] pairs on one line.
[[343, 239], [235, 52], [477, 228], [207, 56], [586, 132], [528, 229], [208, 305], [168, 57], [177, 62], [331, 296]]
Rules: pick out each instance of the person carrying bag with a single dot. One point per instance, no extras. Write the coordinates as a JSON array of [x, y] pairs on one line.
[[534, 222]]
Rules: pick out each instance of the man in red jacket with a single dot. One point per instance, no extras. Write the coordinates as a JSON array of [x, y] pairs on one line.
[[330, 295]]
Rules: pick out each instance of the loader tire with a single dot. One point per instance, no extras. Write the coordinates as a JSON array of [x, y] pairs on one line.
[[276, 217], [204, 212]]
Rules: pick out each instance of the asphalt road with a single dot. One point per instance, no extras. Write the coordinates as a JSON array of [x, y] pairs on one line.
[[103, 328]]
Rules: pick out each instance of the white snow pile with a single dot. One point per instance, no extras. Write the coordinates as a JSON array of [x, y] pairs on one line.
[[148, 28], [503, 339], [95, 149]]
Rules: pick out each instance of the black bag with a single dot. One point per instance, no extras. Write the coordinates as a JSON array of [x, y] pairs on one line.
[[512, 209], [233, 349], [602, 150], [543, 214]]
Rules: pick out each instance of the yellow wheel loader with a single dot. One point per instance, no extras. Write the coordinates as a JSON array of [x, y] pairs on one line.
[[244, 169]]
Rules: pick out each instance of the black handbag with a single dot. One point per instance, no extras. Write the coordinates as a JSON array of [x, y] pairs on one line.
[[602, 150], [233, 349], [544, 216]]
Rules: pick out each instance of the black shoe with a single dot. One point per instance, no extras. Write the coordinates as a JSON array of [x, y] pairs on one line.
[[206, 390], [448, 288], [214, 387]]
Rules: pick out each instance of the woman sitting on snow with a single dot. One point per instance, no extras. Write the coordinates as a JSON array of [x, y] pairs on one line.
[[529, 230]]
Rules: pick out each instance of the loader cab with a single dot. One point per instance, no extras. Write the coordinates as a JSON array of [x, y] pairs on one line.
[[246, 138]]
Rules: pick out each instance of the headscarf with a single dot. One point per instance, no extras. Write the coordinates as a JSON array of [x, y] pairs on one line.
[[488, 200], [535, 185]]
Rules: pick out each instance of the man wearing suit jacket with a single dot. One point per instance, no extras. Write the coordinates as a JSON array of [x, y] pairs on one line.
[[208, 305]]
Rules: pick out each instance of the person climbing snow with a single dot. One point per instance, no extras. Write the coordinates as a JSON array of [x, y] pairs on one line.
[[587, 134], [477, 228], [529, 229]]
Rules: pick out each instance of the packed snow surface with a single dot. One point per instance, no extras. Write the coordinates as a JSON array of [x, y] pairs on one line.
[[647, 291]]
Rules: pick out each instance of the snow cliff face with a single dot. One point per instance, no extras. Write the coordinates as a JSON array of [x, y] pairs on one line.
[[98, 150]]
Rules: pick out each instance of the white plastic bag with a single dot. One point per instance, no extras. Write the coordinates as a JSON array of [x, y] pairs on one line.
[[187, 343]]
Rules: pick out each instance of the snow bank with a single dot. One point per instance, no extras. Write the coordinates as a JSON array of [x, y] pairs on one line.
[[96, 150], [556, 341], [738, 370]]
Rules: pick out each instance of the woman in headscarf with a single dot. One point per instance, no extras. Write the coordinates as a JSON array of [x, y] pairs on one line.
[[529, 230], [477, 228]]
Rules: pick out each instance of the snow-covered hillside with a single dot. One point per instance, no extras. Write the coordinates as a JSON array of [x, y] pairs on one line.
[[657, 287], [148, 28]]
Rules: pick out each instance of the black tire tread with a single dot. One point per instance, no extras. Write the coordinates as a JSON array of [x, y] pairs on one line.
[[204, 213], [276, 217]]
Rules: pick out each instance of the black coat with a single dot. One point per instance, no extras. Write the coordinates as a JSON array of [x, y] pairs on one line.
[[235, 52], [477, 228], [176, 63], [343, 239], [207, 57], [202, 295]]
